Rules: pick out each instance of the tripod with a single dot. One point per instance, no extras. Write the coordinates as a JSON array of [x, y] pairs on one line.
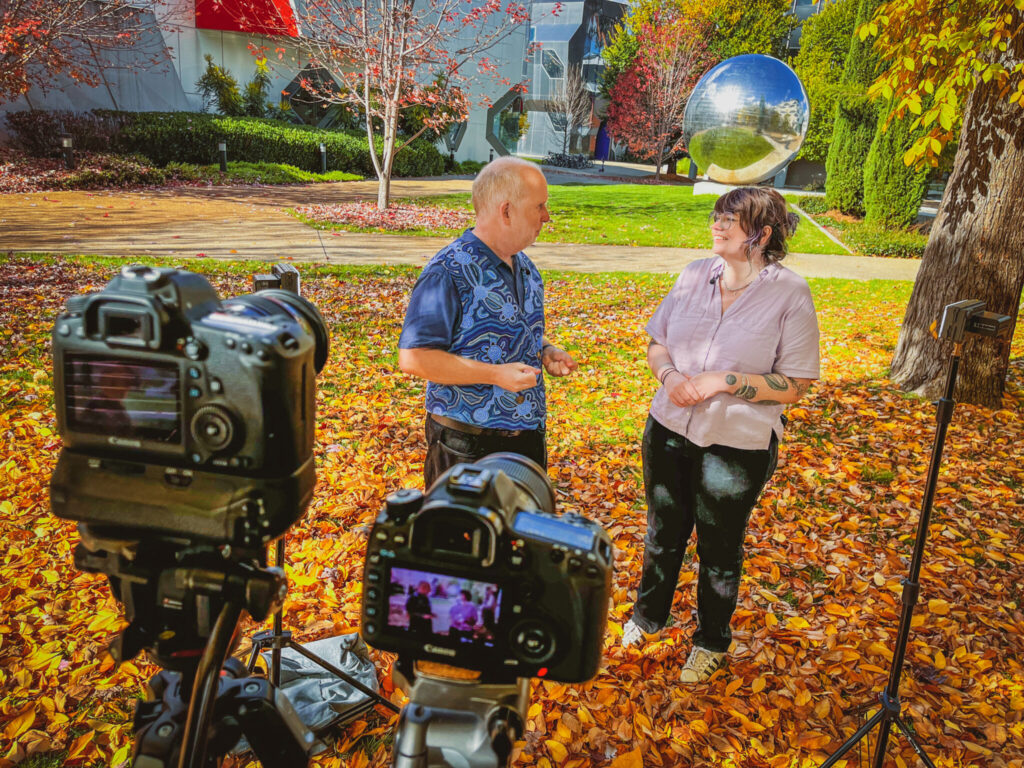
[[278, 638], [891, 709]]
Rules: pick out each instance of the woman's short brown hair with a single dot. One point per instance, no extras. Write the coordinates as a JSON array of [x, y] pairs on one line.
[[757, 208]]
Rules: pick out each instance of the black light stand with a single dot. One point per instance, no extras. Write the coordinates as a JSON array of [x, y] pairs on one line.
[[286, 277], [958, 320], [279, 638]]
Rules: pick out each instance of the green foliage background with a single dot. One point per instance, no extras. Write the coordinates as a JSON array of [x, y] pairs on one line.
[[855, 120], [192, 138], [218, 87], [824, 44], [892, 190]]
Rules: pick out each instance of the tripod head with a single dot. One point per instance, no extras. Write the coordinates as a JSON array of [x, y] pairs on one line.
[[454, 719]]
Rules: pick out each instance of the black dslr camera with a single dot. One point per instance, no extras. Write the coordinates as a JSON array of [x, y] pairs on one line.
[[969, 318], [188, 428], [481, 573], [182, 415]]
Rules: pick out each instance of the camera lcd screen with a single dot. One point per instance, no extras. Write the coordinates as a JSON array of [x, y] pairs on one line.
[[443, 609], [553, 530], [125, 399]]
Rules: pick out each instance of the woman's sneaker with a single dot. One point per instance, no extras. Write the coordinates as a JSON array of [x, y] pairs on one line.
[[701, 665], [632, 635]]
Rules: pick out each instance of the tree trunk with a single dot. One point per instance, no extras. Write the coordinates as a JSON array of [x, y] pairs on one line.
[[387, 160], [976, 248]]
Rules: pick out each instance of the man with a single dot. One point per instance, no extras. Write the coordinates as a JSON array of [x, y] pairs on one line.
[[421, 615], [474, 328]]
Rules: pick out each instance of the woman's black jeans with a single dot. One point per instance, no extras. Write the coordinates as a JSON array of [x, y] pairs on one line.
[[715, 489]]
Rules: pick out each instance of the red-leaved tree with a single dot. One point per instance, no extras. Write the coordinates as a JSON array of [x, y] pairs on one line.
[[396, 55], [41, 40], [648, 99]]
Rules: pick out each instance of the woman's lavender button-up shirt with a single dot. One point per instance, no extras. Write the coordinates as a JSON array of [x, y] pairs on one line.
[[770, 328]]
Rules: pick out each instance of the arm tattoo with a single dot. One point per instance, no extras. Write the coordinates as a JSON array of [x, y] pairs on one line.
[[777, 381], [745, 391], [801, 387], [730, 379]]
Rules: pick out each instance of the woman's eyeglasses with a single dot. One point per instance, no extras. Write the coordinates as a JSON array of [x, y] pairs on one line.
[[723, 220]]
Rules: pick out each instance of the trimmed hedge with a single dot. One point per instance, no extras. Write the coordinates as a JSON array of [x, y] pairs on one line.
[[867, 238], [39, 131], [812, 204], [874, 240], [190, 137]]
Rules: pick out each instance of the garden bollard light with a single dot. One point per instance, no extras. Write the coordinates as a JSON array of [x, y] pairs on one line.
[[69, 152], [323, 158], [222, 148], [489, 159]]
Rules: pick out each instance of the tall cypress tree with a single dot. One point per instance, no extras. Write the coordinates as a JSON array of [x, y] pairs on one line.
[[855, 122], [892, 190]]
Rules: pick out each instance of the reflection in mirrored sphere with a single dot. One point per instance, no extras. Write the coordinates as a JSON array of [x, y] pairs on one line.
[[746, 119]]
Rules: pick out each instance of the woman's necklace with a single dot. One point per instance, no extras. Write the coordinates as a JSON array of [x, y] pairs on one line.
[[725, 287]]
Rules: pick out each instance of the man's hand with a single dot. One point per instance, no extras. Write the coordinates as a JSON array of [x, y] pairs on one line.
[[515, 377], [685, 390], [558, 362]]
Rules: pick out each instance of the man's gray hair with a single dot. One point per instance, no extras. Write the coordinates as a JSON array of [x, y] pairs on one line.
[[499, 181]]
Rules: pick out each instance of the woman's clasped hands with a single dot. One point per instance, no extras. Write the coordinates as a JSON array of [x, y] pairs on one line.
[[686, 390]]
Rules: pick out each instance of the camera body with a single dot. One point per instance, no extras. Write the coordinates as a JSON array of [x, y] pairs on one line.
[[184, 416], [968, 317], [480, 573]]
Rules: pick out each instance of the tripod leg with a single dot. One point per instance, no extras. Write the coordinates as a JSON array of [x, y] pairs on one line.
[[851, 742], [883, 740], [908, 734]]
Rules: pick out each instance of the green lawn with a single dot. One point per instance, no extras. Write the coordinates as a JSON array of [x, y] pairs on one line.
[[732, 148], [626, 214]]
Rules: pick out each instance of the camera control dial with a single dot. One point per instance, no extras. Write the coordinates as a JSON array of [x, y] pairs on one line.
[[533, 642], [213, 428]]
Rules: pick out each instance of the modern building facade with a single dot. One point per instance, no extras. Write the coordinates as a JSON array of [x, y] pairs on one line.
[[564, 36], [179, 35]]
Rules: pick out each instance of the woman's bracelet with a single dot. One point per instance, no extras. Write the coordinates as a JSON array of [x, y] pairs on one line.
[[664, 372]]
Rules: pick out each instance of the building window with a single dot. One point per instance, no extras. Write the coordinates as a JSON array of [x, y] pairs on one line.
[[553, 65]]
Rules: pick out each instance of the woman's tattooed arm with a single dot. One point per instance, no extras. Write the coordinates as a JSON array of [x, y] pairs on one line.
[[767, 389]]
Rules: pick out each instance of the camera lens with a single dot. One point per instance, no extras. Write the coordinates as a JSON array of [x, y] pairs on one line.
[[285, 303], [526, 474]]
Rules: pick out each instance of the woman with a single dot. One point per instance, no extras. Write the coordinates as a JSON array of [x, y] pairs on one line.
[[732, 344]]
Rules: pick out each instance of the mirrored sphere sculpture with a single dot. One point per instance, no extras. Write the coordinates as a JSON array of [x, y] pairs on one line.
[[746, 119]]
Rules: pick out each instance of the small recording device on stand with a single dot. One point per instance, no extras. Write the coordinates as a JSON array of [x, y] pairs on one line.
[[478, 586], [188, 428], [959, 320]]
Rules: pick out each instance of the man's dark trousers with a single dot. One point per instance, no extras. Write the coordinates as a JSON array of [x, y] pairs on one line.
[[448, 446]]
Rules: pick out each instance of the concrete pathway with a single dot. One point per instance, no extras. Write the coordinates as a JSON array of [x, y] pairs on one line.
[[252, 223]]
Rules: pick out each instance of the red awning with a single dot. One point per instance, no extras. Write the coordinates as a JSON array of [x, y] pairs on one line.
[[260, 17]]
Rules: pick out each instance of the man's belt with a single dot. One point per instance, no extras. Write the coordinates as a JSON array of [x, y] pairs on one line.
[[473, 429]]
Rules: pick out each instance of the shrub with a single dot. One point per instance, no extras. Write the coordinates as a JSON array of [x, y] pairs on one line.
[[192, 138], [116, 171], [563, 160], [893, 191], [217, 86], [38, 132], [469, 167], [855, 121], [875, 240], [812, 204], [255, 98]]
